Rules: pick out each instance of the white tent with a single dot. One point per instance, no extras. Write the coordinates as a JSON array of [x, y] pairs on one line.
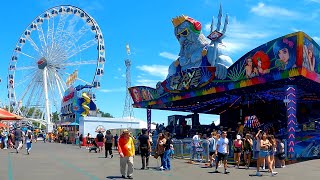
[[90, 124]]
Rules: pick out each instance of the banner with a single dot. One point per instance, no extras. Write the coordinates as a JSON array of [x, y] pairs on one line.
[[189, 79]]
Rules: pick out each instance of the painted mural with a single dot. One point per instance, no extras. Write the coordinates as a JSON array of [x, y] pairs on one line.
[[311, 55], [143, 93], [274, 56]]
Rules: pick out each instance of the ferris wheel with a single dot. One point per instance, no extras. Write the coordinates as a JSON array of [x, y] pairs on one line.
[[56, 44]]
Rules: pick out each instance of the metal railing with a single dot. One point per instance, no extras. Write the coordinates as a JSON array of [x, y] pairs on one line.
[[184, 149]]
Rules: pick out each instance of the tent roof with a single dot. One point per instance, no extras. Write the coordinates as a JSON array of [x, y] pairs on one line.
[[5, 115]]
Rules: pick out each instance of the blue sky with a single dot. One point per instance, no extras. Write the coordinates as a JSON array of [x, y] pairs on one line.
[[146, 26]]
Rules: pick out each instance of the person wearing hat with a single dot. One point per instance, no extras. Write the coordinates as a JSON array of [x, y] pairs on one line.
[[238, 146], [126, 151]]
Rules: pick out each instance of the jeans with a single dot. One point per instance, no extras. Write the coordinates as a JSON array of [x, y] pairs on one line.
[[194, 152], [166, 160], [5, 143]]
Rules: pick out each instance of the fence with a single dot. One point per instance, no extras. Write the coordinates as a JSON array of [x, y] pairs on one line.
[[183, 149]]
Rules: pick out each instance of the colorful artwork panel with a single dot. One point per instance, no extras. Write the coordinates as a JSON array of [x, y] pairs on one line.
[[274, 56], [143, 93], [311, 55]]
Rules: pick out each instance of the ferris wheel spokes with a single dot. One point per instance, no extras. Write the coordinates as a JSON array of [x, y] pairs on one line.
[[34, 45], [77, 63], [27, 77], [81, 48], [41, 36], [28, 55], [59, 30]]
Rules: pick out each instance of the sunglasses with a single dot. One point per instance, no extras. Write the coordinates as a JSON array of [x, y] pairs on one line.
[[184, 32]]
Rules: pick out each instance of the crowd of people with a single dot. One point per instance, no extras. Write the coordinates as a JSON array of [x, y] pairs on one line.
[[263, 147]]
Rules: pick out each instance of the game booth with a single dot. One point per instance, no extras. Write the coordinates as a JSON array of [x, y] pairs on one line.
[[274, 87]]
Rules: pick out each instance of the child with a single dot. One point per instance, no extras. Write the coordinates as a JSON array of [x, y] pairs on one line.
[[94, 147], [171, 151], [29, 142]]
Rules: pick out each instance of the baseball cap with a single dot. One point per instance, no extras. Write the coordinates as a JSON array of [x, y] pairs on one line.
[[238, 136]]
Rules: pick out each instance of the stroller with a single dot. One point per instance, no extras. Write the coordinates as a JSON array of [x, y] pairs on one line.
[[94, 147]]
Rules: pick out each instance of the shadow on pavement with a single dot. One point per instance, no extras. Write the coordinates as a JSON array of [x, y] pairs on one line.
[[114, 177]]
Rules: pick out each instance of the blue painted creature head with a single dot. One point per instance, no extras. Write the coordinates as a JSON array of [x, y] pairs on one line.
[[188, 31], [285, 50]]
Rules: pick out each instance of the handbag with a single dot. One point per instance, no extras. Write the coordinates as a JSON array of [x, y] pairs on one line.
[[156, 155]]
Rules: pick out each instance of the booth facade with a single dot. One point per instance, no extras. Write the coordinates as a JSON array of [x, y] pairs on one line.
[[278, 82]]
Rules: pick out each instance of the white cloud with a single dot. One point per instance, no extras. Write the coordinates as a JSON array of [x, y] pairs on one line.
[[272, 11], [315, 1], [316, 38], [119, 69], [155, 70], [147, 82], [207, 27], [241, 37], [168, 55], [296, 29], [112, 90]]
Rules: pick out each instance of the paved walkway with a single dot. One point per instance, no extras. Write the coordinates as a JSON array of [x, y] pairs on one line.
[[52, 161]]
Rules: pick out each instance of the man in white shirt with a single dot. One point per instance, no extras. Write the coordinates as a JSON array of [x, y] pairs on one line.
[[195, 143], [222, 151]]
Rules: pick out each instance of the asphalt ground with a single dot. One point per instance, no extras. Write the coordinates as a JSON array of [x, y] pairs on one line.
[[53, 161]]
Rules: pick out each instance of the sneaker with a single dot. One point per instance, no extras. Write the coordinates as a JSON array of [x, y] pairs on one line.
[[283, 166], [226, 172], [274, 173], [216, 171], [129, 177], [258, 173], [123, 176], [111, 155], [161, 168]]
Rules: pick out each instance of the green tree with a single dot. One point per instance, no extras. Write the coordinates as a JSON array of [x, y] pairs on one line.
[[103, 114]]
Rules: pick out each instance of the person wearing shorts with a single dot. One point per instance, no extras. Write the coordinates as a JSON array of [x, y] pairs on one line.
[[247, 147], [222, 151], [100, 140], [212, 148]]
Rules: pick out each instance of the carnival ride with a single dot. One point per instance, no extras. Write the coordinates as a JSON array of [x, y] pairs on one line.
[[281, 76], [46, 57]]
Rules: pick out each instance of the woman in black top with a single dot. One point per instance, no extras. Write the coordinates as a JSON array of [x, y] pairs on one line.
[[145, 148]]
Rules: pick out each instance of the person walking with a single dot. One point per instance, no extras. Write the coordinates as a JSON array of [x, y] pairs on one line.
[[80, 140], [238, 147], [167, 151], [212, 148], [108, 144], [222, 151], [145, 148], [29, 141], [126, 151], [247, 147], [88, 140], [18, 137], [115, 143], [160, 148], [100, 140]]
